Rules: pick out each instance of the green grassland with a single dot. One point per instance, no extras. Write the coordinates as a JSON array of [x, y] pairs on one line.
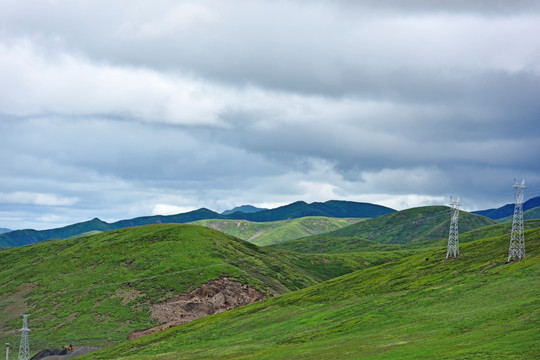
[[323, 244], [327, 244], [267, 233], [419, 307], [411, 226], [95, 290]]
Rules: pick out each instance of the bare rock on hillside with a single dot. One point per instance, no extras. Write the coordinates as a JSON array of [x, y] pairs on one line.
[[214, 297]]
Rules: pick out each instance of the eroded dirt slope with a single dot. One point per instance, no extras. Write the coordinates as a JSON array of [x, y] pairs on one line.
[[214, 297]]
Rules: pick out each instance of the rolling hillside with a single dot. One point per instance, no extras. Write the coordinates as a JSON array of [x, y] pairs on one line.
[[421, 307], [97, 290], [325, 244], [267, 233], [412, 225], [333, 208]]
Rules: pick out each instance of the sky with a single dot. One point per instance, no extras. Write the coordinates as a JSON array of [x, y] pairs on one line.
[[118, 109]]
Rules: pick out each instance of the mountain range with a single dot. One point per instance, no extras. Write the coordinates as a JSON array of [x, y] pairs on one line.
[[332, 208]]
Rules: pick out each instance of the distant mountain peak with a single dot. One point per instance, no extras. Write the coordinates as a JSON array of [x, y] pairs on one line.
[[4, 230], [246, 209]]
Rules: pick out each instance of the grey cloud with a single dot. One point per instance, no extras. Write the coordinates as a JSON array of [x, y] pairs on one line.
[[133, 107], [292, 46]]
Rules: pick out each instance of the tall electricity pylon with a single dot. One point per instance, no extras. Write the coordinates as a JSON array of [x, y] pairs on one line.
[[516, 251], [24, 349], [453, 236]]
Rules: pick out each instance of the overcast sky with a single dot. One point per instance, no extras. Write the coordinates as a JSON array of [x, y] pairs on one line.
[[118, 109]]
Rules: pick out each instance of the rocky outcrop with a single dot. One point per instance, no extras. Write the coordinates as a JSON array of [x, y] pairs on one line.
[[214, 297]]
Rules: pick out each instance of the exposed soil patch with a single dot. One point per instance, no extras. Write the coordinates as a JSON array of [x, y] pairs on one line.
[[214, 297], [16, 303], [128, 295]]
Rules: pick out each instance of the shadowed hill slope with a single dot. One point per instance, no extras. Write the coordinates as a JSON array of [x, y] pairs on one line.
[[332, 208], [96, 290], [421, 307], [412, 225]]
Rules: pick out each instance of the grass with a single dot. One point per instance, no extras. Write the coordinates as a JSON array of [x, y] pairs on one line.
[[95, 290], [420, 307], [327, 244], [267, 233], [411, 226]]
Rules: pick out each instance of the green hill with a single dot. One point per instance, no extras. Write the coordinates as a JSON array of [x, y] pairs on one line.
[[96, 290], [267, 233], [411, 225], [325, 244], [421, 307], [332, 208]]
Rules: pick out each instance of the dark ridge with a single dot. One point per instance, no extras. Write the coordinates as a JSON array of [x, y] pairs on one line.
[[508, 209], [333, 208]]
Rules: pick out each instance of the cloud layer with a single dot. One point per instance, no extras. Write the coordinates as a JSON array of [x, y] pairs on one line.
[[120, 109]]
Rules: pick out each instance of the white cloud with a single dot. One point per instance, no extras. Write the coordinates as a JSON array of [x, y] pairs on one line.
[[168, 209], [22, 197], [65, 84]]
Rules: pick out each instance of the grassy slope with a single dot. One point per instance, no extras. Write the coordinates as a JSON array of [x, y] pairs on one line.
[[96, 290], [267, 233], [412, 225], [322, 244], [417, 308]]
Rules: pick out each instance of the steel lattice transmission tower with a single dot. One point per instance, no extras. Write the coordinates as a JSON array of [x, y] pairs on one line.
[[516, 251], [24, 349], [453, 236]]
